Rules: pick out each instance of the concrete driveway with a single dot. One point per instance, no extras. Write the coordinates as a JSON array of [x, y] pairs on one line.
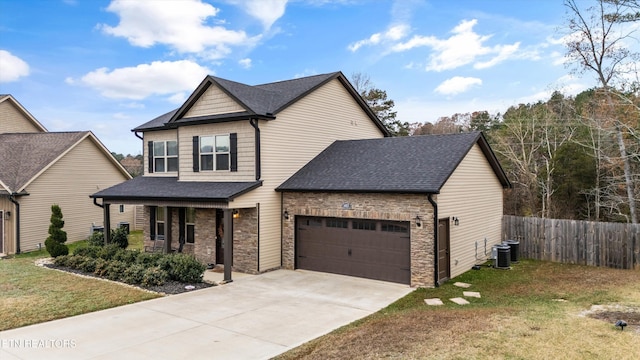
[[254, 317]]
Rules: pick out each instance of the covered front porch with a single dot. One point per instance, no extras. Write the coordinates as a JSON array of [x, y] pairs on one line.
[[191, 217]]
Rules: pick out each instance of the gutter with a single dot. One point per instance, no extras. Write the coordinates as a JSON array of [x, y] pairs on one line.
[[12, 198], [435, 239], [254, 123]]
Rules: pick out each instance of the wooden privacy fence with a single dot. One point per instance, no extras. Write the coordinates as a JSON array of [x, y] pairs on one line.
[[612, 245]]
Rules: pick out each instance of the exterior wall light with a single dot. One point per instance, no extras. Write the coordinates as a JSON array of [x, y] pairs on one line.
[[456, 221], [7, 215], [236, 214], [418, 221], [286, 215]]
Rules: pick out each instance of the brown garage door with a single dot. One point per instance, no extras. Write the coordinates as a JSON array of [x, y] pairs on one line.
[[365, 248]]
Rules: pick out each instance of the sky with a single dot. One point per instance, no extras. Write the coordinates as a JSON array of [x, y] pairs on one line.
[[109, 66]]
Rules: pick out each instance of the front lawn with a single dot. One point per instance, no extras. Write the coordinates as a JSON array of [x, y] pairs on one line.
[[537, 310]]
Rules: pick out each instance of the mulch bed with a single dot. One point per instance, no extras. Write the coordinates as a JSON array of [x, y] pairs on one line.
[[170, 287]]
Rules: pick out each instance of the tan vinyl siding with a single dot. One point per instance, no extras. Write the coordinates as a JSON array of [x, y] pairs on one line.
[[69, 182], [8, 225], [162, 135], [473, 193], [214, 101], [297, 135], [246, 151], [13, 120]]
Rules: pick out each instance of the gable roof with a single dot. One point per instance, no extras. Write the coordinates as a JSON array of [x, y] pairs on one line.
[[150, 188], [24, 156], [27, 115], [410, 164], [263, 101]]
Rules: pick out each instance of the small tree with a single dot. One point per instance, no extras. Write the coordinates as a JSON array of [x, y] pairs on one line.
[[57, 237]]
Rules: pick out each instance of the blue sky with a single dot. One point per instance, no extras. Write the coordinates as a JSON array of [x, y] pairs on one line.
[[108, 66]]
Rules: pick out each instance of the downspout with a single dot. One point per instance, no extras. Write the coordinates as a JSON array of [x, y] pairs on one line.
[[435, 239], [138, 136], [12, 198], [106, 219], [254, 123]]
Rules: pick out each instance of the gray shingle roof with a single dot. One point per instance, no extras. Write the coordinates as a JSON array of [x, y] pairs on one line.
[[23, 155], [149, 188], [264, 100], [411, 164]]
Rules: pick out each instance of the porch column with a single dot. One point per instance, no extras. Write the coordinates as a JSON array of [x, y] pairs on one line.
[[107, 224], [167, 230], [227, 237]]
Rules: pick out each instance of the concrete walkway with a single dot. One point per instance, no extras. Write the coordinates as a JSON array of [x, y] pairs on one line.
[[255, 317]]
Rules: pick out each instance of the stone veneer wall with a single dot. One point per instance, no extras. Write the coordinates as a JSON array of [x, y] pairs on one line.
[[379, 206], [245, 237]]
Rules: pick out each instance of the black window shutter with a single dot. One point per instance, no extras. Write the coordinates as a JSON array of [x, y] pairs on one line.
[[152, 222], [196, 154], [150, 156], [182, 214], [233, 142]]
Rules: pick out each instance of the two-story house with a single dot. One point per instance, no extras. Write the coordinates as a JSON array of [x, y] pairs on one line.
[[39, 168], [219, 183]]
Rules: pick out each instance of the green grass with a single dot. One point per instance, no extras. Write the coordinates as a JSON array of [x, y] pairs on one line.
[[30, 294], [529, 312]]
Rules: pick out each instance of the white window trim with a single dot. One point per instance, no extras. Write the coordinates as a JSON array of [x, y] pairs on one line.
[[165, 156], [214, 152]]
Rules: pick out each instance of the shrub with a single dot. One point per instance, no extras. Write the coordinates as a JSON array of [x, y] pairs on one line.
[[119, 237], [96, 239], [61, 260], [148, 259], [108, 252], [115, 270], [101, 267], [89, 251], [134, 274], [185, 268], [74, 261], [154, 276], [88, 265], [55, 242], [127, 256]]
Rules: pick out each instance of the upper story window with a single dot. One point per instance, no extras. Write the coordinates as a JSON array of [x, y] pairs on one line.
[[164, 156], [214, 152]]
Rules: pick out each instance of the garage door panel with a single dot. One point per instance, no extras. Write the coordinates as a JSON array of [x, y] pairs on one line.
[[359, 249]]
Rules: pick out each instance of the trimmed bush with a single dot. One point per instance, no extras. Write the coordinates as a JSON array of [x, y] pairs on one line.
[[61, 260], [101, 267], [134, 274], [74, 261], [108, 252], [127, 256], [90, 251], [185, 268], [119, 237], [96, 239], [88, 265], [154, 276], [56, 249], [115, 270], [55, 242], [148, 259]]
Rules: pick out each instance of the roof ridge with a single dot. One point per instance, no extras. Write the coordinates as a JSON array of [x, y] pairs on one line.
[[298, 79]]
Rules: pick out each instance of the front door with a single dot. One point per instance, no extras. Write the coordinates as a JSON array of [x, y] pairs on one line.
[[444, 259], [219, 235], [2, 231]]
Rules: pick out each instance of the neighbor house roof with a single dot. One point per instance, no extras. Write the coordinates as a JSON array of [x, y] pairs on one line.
[[24, 156], [263, 101], [410, 164], [27, 115], [145, 188]]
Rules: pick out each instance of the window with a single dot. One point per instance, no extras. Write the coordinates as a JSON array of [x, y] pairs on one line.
[[190, 220], [215, 152], [394, 228], [160, 222], [121, 209], [337, 223], [165, 156], [363, 225]]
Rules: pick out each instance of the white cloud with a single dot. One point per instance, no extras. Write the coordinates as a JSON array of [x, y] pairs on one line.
[[136, 83], [267, 11], [179, 24], [394, 33], [12, 67], [245, 63], [505, 52], [457, 85]]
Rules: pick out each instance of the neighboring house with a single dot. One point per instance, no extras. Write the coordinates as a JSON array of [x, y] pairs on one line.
[[220, 170], [42, 168]]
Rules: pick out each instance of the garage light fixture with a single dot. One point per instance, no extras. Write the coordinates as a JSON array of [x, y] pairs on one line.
[[456, 221], [418, 221], [236, 214], [286, 215]]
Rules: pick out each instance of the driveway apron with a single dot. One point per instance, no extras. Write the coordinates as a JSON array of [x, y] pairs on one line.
[[255, 317]]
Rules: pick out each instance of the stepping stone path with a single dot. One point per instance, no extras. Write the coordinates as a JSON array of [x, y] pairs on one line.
[[458, 300]]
